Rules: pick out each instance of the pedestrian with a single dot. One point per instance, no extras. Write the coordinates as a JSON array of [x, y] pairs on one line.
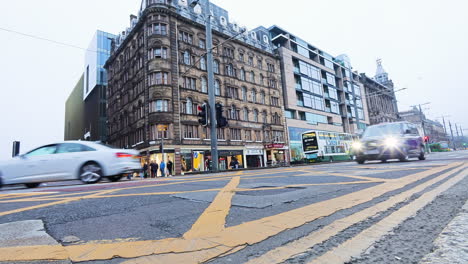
[[232, 164], [169, 167], [154, 169], [145, 170], [162, 167]]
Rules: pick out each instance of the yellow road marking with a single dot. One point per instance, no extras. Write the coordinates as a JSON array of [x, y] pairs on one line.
[[281, 254], [213, 219], [226, 240], [355, 246]]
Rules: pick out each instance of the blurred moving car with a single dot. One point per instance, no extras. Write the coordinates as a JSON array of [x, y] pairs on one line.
[[69, 160], [399, 140]]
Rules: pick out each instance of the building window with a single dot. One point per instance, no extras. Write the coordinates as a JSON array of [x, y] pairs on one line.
[[186, 58], [202, 44], [190, 131], [156, 134], [230, 71], [246, 114], [235, 134], [276, 119], [264, 117], [203, 63], [244, 94], [217, 87], [272, 83], [157, 78], [189, 106], [335, 107], [189, 83], [275, 101], [204, 85], [248, 135], [242, 74], [160, 106], [260, 64], [258, 136], [252, 76], [255, 115], [266, 136], [216, 66], [278, 136], [233, 113], [228, 52], [271, 67], [250, 61], [262, 79], [185, 37], [262, 97], [241, 57], [254, 96], [157, 29], [221, 134], [232, 92], [158, 53]]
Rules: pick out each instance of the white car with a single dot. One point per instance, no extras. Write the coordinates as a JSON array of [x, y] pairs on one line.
[[69, 160]]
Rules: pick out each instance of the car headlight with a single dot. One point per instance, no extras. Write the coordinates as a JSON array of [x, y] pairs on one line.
[[391, 142], [357, 145]]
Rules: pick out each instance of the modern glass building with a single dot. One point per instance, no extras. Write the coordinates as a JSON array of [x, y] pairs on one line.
[[96, 56]]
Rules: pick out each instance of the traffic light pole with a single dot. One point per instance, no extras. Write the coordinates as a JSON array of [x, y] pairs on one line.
[[211, 90]]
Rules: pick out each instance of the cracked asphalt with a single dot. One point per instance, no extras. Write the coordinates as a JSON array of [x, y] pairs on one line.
[[262, 216]]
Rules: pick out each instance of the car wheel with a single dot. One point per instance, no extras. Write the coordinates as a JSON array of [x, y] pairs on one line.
[[383, 160], [360, 160], [422, 155], [90, 173], [114, 178], [32, 184], [404, 157]]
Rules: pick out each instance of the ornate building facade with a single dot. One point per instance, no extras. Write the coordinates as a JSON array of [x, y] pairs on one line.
[[157, 76], [381, 98]]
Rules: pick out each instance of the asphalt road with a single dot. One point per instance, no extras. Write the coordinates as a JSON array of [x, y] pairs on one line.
[[328, 213]]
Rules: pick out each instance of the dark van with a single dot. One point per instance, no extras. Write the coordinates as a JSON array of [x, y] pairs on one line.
[[399, 140]]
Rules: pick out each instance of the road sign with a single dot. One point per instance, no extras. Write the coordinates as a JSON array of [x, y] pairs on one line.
[[162, 128]]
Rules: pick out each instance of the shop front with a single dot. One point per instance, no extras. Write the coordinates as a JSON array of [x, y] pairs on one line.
[[276, 154], [255, 158], [157, 157], [200, 160]]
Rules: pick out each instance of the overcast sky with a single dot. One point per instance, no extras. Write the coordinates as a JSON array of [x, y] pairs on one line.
[[423, 45]]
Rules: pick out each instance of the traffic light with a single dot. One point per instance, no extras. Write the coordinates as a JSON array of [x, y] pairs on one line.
[[220, 119], [203, 114], [426, 139]]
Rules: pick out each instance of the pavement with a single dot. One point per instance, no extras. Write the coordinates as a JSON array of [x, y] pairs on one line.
[[395, 212]]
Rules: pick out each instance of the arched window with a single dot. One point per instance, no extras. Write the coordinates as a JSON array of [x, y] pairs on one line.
[[255, 115], [186, 56], [244, 94], [242, 74], [262, 97], [203, 63], [254, 96], [189, 106], [246, 114], [264, 117], [252, 76], [217, 87], [229, 70], [204, 85], [276, 119], [262, 79], [216, 66], [233, 112]]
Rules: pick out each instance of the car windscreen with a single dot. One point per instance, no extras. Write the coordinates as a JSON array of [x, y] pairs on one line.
[[383, 130]]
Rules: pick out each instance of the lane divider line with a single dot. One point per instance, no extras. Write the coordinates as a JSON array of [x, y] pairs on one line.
[[301, 245], [357, 245]]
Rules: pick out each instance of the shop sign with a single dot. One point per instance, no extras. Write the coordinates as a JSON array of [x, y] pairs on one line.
[[274, 146], [254, 152], [230, 152]]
